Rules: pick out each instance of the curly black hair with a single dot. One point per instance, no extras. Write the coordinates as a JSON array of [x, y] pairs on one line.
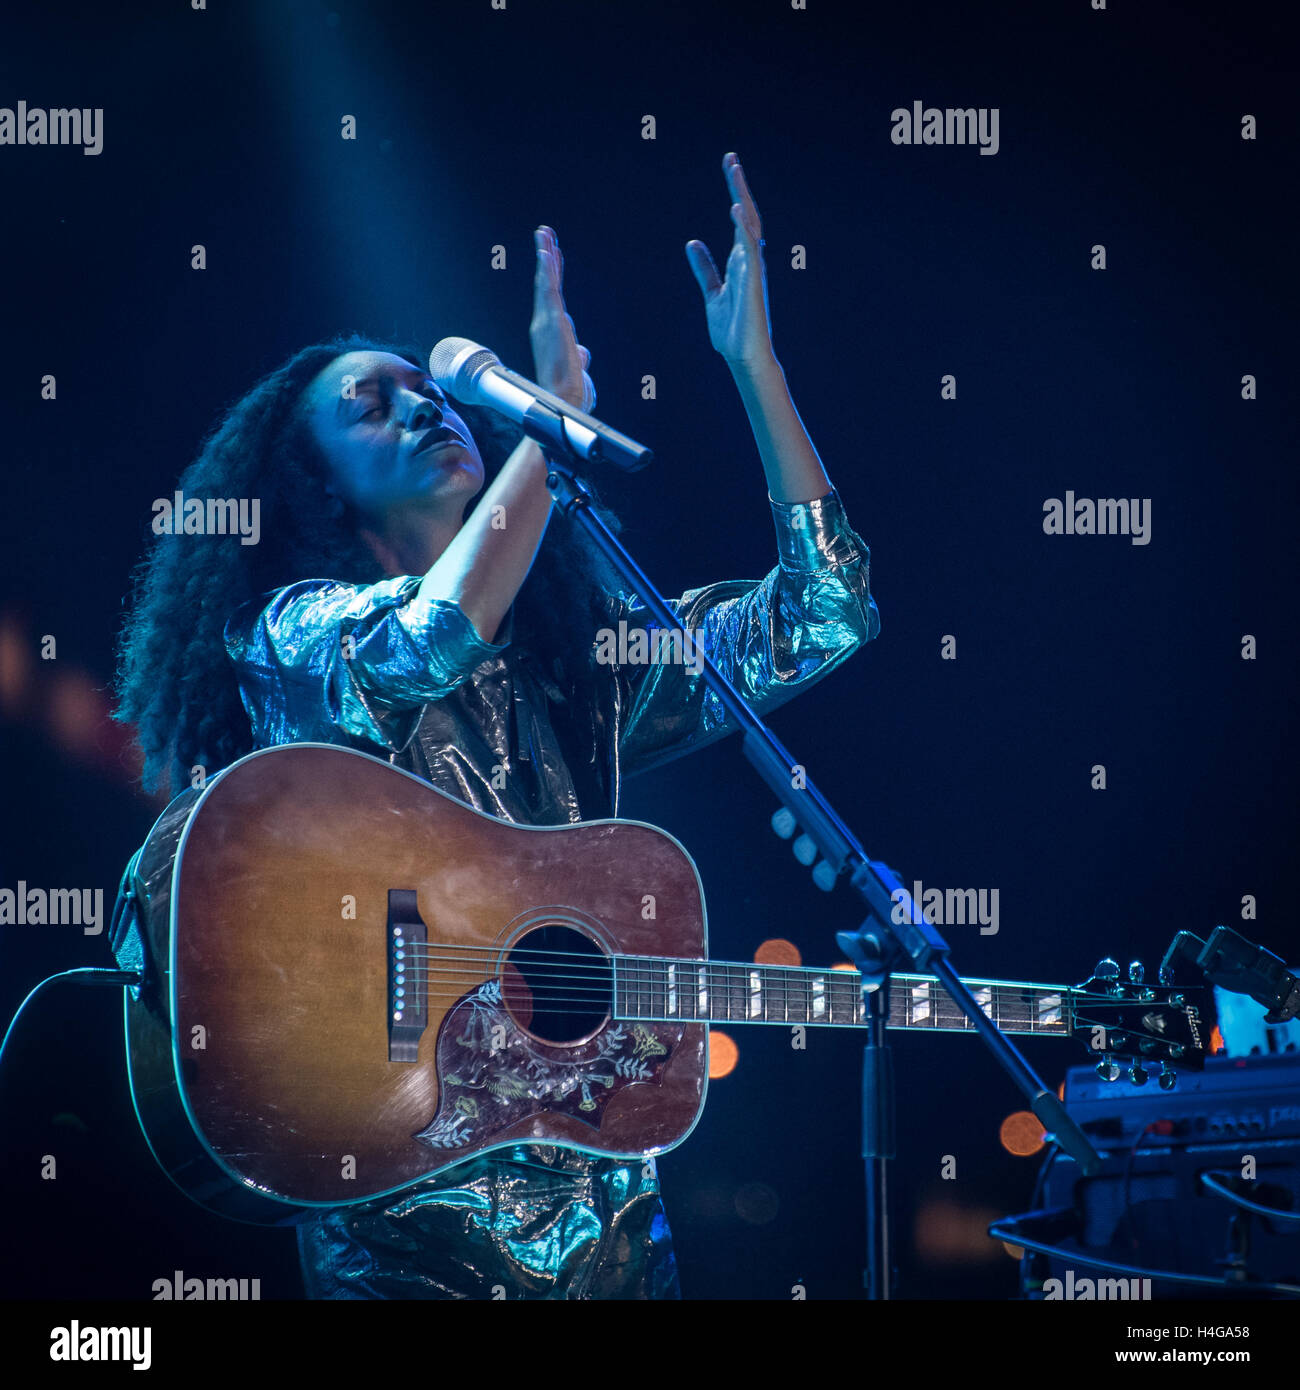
[[175, 680]]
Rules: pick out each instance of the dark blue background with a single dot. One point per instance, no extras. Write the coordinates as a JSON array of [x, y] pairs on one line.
[[1119, 127]]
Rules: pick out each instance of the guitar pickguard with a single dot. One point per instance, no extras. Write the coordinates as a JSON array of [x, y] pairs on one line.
[[492, 1074]]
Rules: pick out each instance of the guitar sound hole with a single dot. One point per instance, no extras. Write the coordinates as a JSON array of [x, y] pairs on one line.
[[557, 983]]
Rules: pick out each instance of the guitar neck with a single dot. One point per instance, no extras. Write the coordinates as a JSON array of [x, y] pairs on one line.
[[693, 991]]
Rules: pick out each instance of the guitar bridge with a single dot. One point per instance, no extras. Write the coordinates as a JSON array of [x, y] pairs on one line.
[[408, 1001]]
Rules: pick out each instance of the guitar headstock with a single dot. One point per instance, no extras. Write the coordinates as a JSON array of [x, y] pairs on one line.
[[1146, 1025]]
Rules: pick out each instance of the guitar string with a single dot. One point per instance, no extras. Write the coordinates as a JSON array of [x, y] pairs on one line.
[[544, 1001], [551, 954], [736, 1007], [716, 1014], [491, 953], [719, 1013], [597, 984], [604, 986], [633, 966], [594, 988], [651, 973], [646, 974], [601, 965], [608, 988], [581, 993], [607, 996], [649, 970]]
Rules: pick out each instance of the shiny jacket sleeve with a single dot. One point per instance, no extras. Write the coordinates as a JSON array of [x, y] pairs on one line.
[[771, 638], [302, 679]]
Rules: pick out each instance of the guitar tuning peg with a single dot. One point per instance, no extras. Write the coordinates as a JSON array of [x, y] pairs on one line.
[[805, 850], [1136, 972], [783, 822], [1137, 1074], [1108, 1069], [1168, 1078]]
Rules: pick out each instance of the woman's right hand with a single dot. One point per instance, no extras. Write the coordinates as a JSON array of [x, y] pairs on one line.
[[561, 362]]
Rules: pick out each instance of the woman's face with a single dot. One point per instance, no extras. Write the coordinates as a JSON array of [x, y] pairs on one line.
[[392, 441]]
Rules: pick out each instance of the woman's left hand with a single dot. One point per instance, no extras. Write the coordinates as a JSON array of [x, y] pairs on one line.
[[739, 326], [559, 360]]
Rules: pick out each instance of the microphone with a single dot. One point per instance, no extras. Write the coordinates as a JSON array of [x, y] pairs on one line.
[[474, 374]]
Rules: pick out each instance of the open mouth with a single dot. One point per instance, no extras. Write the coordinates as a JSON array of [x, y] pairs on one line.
[[435, 439]]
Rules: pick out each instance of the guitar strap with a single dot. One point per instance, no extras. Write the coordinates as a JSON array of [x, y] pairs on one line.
[[125, 937]]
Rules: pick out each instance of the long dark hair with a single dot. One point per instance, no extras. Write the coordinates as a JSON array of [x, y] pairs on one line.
[[175, 681]]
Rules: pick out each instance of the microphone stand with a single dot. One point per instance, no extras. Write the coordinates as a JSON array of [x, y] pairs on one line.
[[894, 929]]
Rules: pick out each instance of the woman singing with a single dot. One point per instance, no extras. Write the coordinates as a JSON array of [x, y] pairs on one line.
[[407, 598]]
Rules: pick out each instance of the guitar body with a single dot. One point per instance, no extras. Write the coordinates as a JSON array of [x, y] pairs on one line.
[[284, 1055]]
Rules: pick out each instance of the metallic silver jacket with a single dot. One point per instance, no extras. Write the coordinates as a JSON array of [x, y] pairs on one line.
[[388, 670]]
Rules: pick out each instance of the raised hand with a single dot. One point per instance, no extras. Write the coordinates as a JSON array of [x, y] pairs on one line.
[[561, 362], [736, 308]]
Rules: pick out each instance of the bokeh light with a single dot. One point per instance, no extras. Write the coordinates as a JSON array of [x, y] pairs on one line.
[[723, 1054], [776, 950], [1022, 1133]]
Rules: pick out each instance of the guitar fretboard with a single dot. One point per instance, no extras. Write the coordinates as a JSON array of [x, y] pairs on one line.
[[668, 991]]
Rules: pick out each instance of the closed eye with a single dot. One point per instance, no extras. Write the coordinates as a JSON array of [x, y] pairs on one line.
[[430, 392]]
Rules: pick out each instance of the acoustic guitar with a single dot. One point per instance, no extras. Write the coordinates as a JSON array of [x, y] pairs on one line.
[[356, 981]]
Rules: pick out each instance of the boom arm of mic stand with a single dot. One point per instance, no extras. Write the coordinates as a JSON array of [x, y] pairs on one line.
[[887, 900]]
